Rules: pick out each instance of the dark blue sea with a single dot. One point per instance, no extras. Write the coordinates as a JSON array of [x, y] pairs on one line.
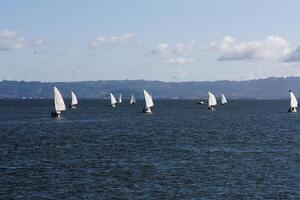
[[243, 150]]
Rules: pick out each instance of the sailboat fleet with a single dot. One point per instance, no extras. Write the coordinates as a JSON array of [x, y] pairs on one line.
[[59, 104]]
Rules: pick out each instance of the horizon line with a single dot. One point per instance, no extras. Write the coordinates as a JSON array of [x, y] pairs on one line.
[[221, 80]]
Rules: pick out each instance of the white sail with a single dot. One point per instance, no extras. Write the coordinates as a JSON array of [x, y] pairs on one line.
[[211, 99], [294, 102], [132, 100], [74, 99], [224, 100], [113, 100], [148, 99], [58, 101], [120, 98]]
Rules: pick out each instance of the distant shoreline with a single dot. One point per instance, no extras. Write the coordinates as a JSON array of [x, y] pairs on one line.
[[269, 88]]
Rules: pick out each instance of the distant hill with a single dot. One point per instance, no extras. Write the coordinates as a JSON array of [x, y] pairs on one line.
[[269, 88]]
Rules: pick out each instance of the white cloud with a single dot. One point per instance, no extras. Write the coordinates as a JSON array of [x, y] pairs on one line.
[[174, 53], [179, 74], [162, 50], [11, 40], [180, 61], [117, 39], [122, 38], [99, 41], [183, 47], [271, 48], [294, 56], [223, 45]]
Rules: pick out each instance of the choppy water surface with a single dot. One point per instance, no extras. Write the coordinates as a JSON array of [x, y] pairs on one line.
[[244, 150]]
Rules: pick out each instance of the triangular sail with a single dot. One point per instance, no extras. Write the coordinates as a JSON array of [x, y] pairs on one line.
[[112, 99], [211, 99], [120, 98], [294, 102], [148, 99], [58, 101], [132, 100], [224, 100], [74, 99]]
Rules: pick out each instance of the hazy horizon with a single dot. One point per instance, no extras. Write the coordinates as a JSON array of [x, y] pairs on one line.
[[171, 81], [252, 89]]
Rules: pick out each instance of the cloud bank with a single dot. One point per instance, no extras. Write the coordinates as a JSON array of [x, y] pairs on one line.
[[179, 61], [11, 40], [271, 48], [175, 54], [294, 56], [117, 39]]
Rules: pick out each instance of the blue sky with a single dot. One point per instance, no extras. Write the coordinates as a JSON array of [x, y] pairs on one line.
[[178, 40]]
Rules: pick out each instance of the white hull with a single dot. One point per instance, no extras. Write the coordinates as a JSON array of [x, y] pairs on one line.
[[147, 110], [55, 114], [292, 110], [211, 108]]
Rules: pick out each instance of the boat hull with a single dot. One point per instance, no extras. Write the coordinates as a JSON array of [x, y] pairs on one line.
[[55, 114], [147, 110], [292, 110], [73, 106], [211, 108]]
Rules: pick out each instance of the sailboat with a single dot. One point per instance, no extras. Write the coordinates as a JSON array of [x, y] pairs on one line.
[[120, 98], [201, 102], [223, 100], [113, 100], [212, 102], [74, 101], [148, 102], [132, 100], [59, 104], [293, 103]]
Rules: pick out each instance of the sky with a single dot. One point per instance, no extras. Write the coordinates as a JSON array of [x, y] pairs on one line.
[[166, 40]]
